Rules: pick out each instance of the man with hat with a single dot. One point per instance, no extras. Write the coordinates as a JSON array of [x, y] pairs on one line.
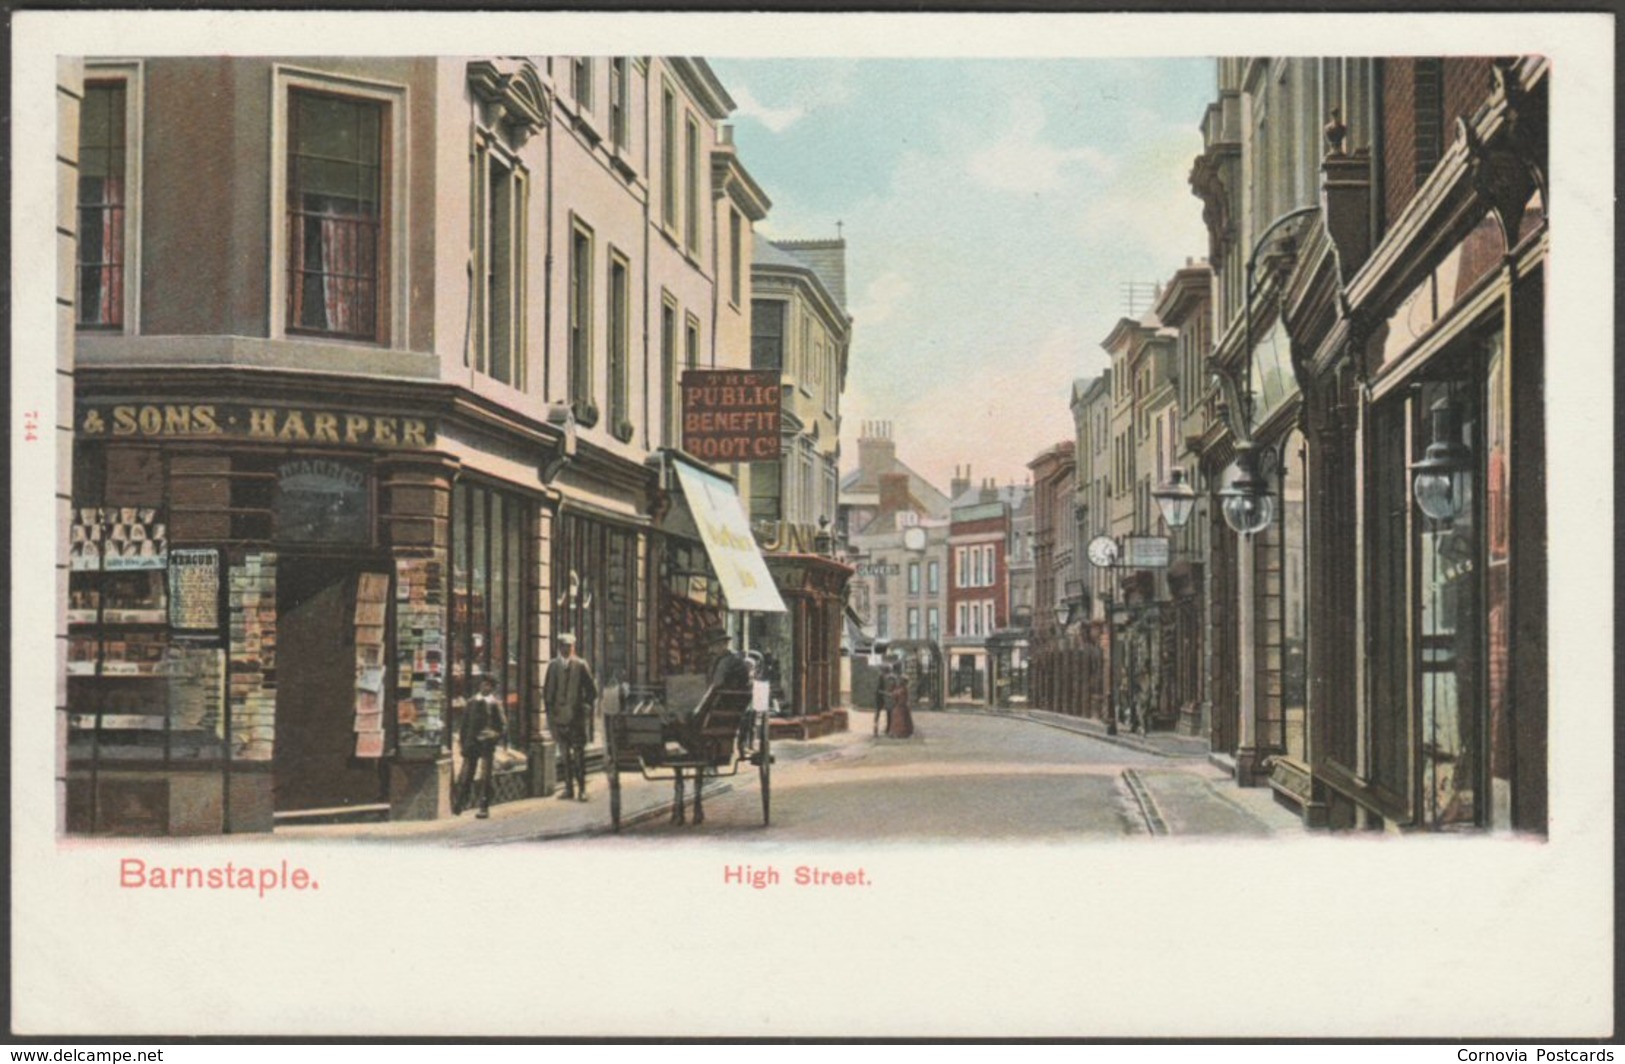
[[731, 670], [569, 693], [484, 725]]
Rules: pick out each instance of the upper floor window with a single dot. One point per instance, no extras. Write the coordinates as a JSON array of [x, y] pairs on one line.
[[336, 151], [581, 82], [501, 189], [672, 410], [620, 311], [619, 94], [691, 342], [668, 158], [736, 257], [691, 203], [933, 577], [767, 334], [580, 325], [913, 578], [103, 203]]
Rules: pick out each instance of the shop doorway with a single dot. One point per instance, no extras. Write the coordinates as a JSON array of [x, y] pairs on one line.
[[315, 764]]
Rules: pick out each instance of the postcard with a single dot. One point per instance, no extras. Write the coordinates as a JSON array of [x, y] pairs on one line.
[[1075, 525]]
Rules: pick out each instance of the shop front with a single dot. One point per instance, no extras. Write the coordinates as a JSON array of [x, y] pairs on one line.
[[801, 648], [711, 575], [261, 629]]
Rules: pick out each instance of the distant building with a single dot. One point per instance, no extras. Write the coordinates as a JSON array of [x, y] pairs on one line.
[[979, 535]]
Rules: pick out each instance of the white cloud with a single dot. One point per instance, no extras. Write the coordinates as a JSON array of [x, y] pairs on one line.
[[881, 297], [1022, 161], [776, 119]]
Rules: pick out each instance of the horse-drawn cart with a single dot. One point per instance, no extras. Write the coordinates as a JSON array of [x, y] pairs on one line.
[[710, 743]]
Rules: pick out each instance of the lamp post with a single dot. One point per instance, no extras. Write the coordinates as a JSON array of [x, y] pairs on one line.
[[1176, 499]]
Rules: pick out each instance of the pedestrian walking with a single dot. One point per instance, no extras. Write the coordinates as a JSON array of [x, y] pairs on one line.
[[485, 724], [569, 693]]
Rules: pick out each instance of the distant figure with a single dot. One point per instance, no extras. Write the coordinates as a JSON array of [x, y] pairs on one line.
[[900, 724], [484, 725], [569, 693], [883, 697], [730, 670]]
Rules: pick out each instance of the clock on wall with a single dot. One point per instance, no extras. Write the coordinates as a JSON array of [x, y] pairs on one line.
[[1102, 552], [914, 537]]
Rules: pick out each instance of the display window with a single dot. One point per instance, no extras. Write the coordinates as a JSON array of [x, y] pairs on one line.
[[492, 536], [595, 592], [1438, 703]]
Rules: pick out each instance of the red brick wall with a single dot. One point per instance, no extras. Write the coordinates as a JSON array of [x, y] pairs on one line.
[[1466, 86]]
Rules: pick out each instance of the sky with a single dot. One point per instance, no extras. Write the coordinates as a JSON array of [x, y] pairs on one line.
[[993, 211]]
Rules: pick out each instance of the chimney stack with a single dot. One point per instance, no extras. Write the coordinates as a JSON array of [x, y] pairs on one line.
[[894, 495], [961, 482]]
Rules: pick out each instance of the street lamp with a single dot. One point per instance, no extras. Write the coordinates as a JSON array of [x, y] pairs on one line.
[[1063, 614], [1176, 498], [1441, 482], [1246, 501]]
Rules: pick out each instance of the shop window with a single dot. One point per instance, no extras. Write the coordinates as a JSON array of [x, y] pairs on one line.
[[336, 241], [491, 536], [595, 591], [101, 256], [1428, 609]]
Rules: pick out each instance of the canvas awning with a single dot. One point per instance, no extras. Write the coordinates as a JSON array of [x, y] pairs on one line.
[[746, 583]]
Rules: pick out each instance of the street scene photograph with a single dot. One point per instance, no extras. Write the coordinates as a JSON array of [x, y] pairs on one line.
[[998, 531], [1089, 448]]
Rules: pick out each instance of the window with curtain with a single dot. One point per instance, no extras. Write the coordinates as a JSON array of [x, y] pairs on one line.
[[100, 250], [335, 207]]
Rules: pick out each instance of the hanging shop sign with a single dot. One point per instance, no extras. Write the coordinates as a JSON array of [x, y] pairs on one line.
[[194, 589], [322, 501], [289, 424], [731, 415], [1145, 552]]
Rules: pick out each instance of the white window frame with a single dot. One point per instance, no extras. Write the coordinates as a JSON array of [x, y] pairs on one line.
[[285, 79], [133, 74], [487, 145]]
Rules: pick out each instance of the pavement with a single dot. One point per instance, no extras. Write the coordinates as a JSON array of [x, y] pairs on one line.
[[1175, 791], [539, 819]]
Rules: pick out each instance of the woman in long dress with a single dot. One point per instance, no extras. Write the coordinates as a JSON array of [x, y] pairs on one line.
[[901, 725]]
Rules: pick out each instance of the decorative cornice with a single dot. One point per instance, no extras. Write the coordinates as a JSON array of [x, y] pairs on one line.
[[730, 178], [514, 102], [703, 86]]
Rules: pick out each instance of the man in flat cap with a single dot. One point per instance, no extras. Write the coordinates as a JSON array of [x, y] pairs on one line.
[[569, 693]]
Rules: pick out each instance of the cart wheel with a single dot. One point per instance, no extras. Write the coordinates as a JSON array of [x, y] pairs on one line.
[[613, 768], [765, 770]]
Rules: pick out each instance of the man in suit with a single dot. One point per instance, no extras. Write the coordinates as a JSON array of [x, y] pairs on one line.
[[484, 725], [569, 693]]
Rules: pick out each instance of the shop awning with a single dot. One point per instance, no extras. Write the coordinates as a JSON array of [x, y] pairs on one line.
[[746, 583]]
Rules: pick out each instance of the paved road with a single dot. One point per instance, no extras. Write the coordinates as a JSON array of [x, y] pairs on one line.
[[968, 776]]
